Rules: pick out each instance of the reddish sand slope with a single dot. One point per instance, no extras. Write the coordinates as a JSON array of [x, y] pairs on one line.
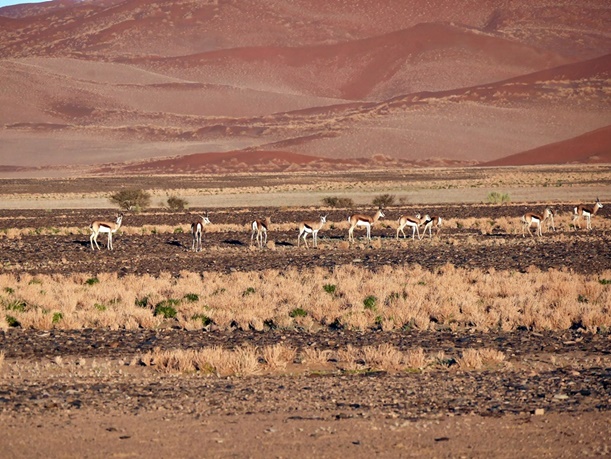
[[592, 147], [425, 82]]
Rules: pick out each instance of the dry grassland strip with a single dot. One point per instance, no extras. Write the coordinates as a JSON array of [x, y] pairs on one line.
[[426, 186]]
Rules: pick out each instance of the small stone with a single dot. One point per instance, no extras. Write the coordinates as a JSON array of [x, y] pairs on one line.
[[539, 412]]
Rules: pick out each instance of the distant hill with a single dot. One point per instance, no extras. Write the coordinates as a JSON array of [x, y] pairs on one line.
[[132, 81]]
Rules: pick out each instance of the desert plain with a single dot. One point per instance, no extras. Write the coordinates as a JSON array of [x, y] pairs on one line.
[[480, 338], [394, 347]]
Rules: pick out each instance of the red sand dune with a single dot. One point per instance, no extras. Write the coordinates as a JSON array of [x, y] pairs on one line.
[[590, 148], [424, 82]]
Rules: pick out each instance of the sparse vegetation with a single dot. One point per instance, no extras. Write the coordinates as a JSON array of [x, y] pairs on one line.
[[177, 204], [247, 360], [495, 197], [472, 299], [337, 202]]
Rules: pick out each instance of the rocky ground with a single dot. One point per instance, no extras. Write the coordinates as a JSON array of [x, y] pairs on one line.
[[84, 394]]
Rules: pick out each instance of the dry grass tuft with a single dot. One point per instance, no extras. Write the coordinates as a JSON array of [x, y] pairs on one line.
[[383, 357], [314, 356], [278, 356], [415, 358], [475, 359]]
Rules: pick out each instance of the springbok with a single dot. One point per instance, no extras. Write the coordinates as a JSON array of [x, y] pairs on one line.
[[197, 228], [98, 227], [529, 219], [429, 222], [363, 220], [306, 228], [586, 211], [259, 230], [412, 222]]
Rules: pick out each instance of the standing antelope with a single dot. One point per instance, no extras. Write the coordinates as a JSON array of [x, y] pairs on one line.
[[429, 222], [259, 229], [412, 222], [363, 220], [586, 211], [306, 228], [98, 227], [197, 228], [537, 220]]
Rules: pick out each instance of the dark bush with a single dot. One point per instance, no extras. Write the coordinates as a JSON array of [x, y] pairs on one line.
[[335, 201], [384, 200]]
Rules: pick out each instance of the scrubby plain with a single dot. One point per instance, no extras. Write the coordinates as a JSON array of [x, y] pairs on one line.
[[394, 336]]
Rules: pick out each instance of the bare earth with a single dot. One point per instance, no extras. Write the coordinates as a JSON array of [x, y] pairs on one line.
[[552, 400]]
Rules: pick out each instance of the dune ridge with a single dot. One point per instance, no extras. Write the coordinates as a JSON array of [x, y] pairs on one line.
[[139, 82]]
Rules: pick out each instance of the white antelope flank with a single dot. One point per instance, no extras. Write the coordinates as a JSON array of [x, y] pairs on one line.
[[429, 222], [98, 227], [197, 228], [259, 230], [363, 220], [411, 222], [313, 228], [531, 219], [587, 212]]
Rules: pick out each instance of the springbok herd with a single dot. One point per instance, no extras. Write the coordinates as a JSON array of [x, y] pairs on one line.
[[427, 222]]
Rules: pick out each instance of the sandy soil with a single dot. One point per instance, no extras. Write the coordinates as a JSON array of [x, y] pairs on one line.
[[83, 393], [306, 434], [433, 83]]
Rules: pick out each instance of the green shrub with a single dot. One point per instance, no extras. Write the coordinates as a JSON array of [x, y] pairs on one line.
[[57, 316], [166, 309], [329, 288], [298, 312], [370, 302], [498, 198], [177, 204], [92, 281], [16, 305], [192, 297], [133, 199]]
